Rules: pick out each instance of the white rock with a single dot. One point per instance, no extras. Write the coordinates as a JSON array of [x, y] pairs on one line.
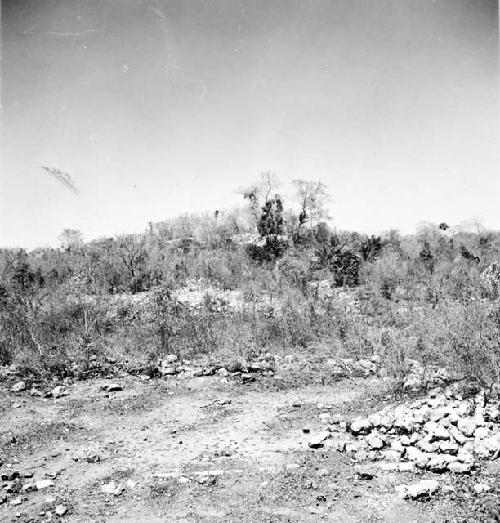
[[479, 488], [493, 413], [389, 467], [459, 468], [112, 488], [465, 457], [397, 446], [58, 391], [481, 450], [438, 463], [167, 371], [375, 441], [406, 466], [413, 454], [391, 455], [426, 446], [405, 440], [448, 447], [481, 433], [318, 440], [436, 432], [457, 435], [492, 443], [360, 426], [19, 386], [465, 408], [424, 488], [405, 424], [353, 446], [44, 483], [466, 426]]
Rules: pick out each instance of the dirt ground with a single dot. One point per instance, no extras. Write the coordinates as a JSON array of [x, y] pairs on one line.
[[207, 449]]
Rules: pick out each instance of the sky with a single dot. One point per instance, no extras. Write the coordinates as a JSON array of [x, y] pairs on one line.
[[160, 107]]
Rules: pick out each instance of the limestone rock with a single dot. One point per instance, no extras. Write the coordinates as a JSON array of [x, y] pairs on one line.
[[19, 386], [360, 426], [375, 441], [422, 489]]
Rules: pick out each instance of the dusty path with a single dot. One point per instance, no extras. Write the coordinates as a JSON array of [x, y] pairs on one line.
[[204, 449]]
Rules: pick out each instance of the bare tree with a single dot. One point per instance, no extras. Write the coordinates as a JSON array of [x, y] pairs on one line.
[[312, 197], [132, 252], [70, 239], [259, 193]]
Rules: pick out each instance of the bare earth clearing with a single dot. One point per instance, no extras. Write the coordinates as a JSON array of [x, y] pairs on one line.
[[207, 449]]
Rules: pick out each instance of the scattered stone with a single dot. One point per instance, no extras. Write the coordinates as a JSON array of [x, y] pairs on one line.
[[360, 426], [423, 489], [460, 468], [406, 466], [131, 484], [36, 393], [61, 510], [397, 446], [391, 455], [405, 440], [438, 463], [59, 391], [480, 488], [317, 441], [426, 446], [436, 432], [466, 426], [375, 441], [481, 433], [465, 456], [448, 447], [388, 467], [112, 488], [112, 387], [167, 371], [18, 387], [44, 483], [16, 501], [457, 435]]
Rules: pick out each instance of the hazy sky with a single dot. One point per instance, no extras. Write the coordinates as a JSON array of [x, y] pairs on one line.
[[158, 107]]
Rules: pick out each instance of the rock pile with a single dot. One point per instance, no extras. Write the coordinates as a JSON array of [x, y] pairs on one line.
[[172, 366], [442, 432]]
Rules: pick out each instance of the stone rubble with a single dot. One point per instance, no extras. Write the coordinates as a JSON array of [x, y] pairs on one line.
[[441, 432]]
